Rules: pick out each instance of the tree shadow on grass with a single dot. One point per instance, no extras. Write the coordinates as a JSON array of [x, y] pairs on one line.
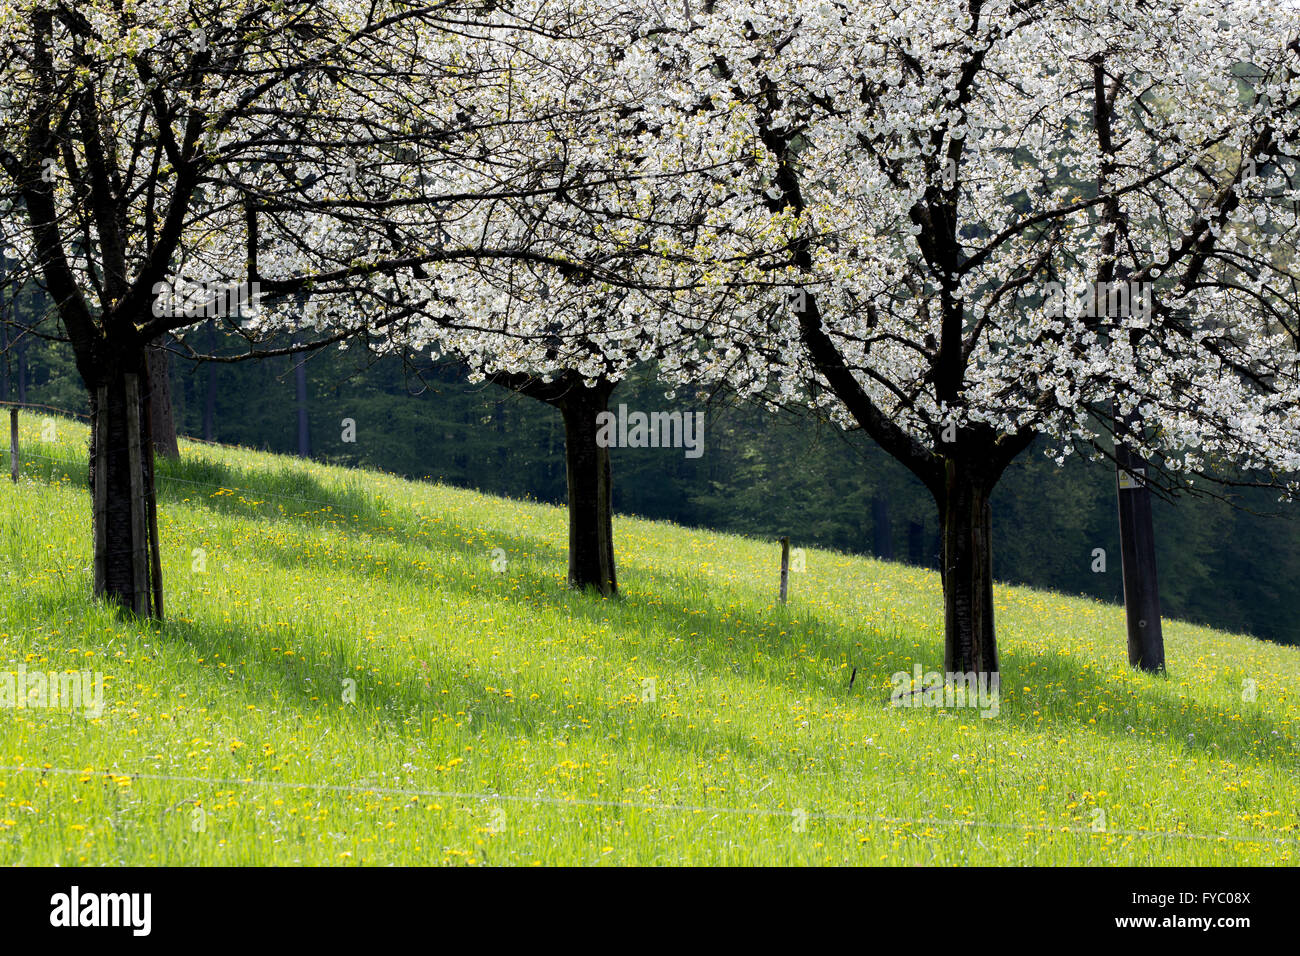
[[289, 495], [260, 494], [1252, 738]]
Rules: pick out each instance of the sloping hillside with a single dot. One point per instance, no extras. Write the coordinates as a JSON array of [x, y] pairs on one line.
[[351, 671]]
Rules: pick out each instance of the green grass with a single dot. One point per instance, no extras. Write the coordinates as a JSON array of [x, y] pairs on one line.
[[499, 718]]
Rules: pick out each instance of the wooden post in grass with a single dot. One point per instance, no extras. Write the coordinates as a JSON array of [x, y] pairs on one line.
[[785, 567], [13, 444]]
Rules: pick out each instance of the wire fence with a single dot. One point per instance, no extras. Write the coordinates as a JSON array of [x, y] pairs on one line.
[[83, 416], [6, 451], [362, 789]]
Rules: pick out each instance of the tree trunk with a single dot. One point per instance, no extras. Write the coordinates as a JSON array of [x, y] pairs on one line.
[[4, 329], [1146, 644], [22, 369], [881, 532], [121, 490], [970, 643], [161, 414], [916, 543], [587, 470], [4, 326]]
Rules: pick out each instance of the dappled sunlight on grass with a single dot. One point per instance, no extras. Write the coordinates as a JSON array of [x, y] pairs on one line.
[[344, 677]]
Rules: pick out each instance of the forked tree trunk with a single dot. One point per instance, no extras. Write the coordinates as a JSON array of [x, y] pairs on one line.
[[160, 401], [1146, 643], [122, 498], [587, 466], [970, 642]]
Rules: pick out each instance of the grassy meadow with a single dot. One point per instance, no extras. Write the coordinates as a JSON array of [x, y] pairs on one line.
[[358, 669]]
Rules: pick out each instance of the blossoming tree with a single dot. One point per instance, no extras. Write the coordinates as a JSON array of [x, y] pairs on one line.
[[896, 186], [152, 148]]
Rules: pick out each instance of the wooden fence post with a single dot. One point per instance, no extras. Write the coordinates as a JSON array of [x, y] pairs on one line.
[[785, 567], [13, 444]]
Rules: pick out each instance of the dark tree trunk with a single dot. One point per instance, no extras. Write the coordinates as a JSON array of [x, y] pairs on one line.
[[4, 327], [881, 532], [210, 388], [22, 369], [122, 499], [916, 543], [1146, 644], [587, 468], [162, 416], [970, 643]]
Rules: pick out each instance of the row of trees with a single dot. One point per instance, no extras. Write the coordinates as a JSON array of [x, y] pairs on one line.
[[860, 207], [1229, 565]]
